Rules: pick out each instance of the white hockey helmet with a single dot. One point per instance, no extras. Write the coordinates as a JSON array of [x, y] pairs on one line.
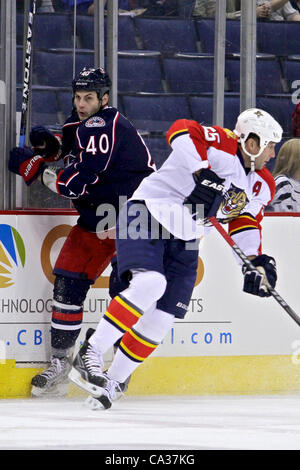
[[258, 122]]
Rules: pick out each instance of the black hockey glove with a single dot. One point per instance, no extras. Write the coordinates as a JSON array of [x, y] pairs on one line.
[[45, 143], [256, 283], [205, 199]]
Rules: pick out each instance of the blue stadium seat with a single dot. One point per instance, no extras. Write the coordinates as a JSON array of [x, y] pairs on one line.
[[44, 105], [231, 110], [167, 35], [287, 32], [53, 30], [155, 112], [280, 107], [206, 33], [202, 109], [233, 28], [20, 29], [291, 72], [85, 31], [140, 71], [64, 100], [268, 74], [189, 73], [55, 68], [126, 32], [19, 70], [159, 149]]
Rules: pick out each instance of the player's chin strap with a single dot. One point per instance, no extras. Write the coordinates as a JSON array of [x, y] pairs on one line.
[[252, 156], [250, 266]]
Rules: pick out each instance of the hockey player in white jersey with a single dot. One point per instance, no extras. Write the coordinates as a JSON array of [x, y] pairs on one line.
[[211, 171]]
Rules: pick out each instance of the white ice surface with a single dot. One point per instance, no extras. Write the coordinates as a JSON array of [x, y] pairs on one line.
[[207, 423]]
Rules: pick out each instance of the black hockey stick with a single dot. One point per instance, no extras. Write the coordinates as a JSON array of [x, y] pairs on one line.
[[250, 266], [27, 72]]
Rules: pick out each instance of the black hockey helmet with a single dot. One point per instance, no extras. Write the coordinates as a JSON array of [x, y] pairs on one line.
[[90, 79]]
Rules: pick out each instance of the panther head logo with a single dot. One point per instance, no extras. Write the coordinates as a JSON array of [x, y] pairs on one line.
[[234, 202]]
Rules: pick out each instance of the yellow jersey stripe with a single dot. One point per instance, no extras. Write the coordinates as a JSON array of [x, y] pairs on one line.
[[176, 133]]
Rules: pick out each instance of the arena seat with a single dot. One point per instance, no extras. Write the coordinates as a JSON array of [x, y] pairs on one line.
[[159, 149], [167, 35], [291, 72], [140, 71], [19, 69], [55, 67], [64, 100], [287, 32], [202, 109], [189, 73], [155, 112], [20, 29], [126, 32], [44, 105], [206, 33], [280, 107], [268, 74], [53, 30], [231, 110], [85, 31]]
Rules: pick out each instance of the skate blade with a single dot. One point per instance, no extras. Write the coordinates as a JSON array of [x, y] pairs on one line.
[[56, 391], [100, 403], [77, 379]]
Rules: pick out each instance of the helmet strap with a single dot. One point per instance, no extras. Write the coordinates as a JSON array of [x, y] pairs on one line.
[[252, 157]]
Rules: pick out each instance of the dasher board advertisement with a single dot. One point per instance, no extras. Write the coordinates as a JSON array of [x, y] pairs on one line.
[[221, 320]]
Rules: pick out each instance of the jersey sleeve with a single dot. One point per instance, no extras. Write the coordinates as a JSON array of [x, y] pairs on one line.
[[246, 229], [195, 140]]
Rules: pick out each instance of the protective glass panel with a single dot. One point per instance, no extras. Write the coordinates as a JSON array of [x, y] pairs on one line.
[[165, 66]]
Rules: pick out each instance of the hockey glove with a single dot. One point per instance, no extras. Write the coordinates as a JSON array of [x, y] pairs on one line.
[[257, 283], [205, 199], [45, 143], [23, 162]]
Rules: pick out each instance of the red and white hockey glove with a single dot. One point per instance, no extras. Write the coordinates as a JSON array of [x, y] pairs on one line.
[[23, 162]]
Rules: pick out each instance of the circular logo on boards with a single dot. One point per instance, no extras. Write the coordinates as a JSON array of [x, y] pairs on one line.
[[12, 254]]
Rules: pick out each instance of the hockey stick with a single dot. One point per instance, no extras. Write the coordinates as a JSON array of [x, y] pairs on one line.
[[250, 266], [27, 73]]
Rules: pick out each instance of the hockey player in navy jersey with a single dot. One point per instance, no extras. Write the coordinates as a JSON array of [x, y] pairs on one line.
[[211, 171], [105, 160]]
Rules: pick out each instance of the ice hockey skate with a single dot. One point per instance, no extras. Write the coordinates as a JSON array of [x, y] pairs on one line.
[[113, 391], [53, 382], [87, 371]]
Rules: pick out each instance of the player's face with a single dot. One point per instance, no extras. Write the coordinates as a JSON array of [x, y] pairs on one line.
[[86, 103], [261, 161], [265, 157]]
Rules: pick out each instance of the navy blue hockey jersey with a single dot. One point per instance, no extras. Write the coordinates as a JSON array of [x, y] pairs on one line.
[[109, 160]]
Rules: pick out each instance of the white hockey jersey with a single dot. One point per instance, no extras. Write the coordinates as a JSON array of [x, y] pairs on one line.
[[195, 147]]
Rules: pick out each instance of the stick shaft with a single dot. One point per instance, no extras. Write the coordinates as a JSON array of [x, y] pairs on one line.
[[27, 72], [250, 266]]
